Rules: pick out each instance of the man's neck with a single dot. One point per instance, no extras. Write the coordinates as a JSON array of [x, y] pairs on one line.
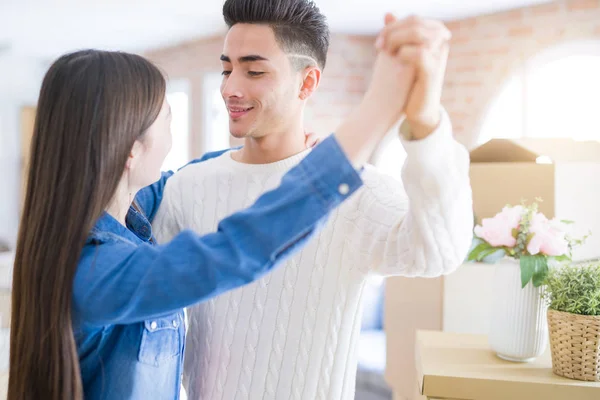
[[272, 147]]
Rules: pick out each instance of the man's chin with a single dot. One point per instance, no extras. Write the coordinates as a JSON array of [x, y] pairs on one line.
[[239, 134]]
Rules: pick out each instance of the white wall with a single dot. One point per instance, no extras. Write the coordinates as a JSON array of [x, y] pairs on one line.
[[20, 79], [468, 297]]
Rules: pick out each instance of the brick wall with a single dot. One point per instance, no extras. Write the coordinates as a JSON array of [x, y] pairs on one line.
[[485, 51], [344, 81]]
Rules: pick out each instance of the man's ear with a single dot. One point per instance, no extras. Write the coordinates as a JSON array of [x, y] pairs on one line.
[[312, 77]]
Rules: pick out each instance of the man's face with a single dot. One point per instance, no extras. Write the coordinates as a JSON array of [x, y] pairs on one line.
[[260, 87]]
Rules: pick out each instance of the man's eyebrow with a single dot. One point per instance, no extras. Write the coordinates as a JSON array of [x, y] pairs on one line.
[[245, 59]]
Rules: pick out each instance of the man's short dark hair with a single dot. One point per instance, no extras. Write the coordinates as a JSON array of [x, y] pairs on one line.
[[298, 25]]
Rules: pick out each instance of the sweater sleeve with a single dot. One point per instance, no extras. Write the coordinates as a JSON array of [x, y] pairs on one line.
[[424, 227]]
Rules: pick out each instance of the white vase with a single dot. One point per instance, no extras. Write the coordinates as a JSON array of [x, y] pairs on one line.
[[518, 330]]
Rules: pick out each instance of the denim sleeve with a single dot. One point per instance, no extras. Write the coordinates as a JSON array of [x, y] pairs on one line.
[[119, 282], [149, 198]]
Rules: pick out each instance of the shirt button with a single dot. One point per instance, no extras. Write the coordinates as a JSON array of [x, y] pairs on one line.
[[344, 189], [153, 325], [175, 323]]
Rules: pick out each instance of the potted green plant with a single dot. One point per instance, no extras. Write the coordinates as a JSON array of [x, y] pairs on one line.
[[573, 296]]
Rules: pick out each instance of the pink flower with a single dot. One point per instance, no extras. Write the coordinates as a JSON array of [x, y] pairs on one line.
[[548, 238], [498, 231]]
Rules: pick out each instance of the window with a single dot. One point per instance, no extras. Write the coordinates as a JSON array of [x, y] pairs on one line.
[[505, 118], [556, 94], [178, 98], [216, 119]]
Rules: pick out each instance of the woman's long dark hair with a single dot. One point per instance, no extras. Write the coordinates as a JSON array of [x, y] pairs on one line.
[[93, 106]]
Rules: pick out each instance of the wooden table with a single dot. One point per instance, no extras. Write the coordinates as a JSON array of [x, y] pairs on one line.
[[462, 367]]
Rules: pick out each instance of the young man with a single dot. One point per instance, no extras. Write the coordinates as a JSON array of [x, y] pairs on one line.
[[293, 334]]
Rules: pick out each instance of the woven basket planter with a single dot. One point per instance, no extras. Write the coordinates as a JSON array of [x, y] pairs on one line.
[[575, 345]]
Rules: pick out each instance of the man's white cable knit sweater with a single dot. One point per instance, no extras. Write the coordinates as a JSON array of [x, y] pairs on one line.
[[293, 334]]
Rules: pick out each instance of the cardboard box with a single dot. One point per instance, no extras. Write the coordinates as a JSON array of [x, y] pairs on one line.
[[410, 304], [462, 366], [564, 173]]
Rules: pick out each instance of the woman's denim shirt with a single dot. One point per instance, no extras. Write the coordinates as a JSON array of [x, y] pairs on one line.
[[129, 293]]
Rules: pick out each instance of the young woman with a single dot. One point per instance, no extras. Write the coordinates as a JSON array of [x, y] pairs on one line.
[[97, 306]]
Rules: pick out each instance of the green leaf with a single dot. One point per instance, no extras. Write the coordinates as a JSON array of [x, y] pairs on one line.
[[474, 254], [564, 257], [533, 268], [527, 269], [541, 270], [515, 232], [567, 222], [487, 253]]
